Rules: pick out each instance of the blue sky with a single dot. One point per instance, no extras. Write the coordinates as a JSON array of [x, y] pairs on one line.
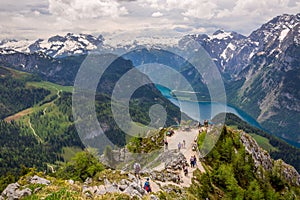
[[32, 19]]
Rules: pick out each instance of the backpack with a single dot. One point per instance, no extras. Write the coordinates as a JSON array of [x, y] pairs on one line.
[[147, 186]]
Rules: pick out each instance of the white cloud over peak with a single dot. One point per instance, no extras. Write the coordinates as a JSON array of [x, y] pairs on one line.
[[86, 9], [157, 14], [43, 18]]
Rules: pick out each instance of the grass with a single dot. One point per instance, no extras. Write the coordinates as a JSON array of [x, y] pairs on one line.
[[17, 74], [51, 86], [263, 142]]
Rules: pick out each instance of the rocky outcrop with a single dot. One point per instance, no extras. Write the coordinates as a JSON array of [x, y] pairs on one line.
[[13, 191], [177, 162], [132, 187], [166, 176], [288, 172], [260, 156], [263, 159], [38, 180]]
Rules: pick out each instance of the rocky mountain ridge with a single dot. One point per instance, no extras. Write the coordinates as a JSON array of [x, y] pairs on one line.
[[56, 46]]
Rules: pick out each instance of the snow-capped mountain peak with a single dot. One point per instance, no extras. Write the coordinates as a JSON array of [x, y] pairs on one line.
[[56, 46]]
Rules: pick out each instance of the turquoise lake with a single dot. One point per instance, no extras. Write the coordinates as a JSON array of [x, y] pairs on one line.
[[205, 108]]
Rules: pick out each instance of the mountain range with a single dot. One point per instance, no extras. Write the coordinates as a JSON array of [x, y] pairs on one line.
[[260, 71]]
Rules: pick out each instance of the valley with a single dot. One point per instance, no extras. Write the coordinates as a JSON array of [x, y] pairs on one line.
[[65, 133]]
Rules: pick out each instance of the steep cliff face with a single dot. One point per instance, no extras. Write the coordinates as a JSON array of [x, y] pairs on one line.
[[262, 159], [261, 72]]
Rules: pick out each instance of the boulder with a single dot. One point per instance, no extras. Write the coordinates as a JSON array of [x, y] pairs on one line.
[[38, 180], [106, 182], [132, 177], [122, 172], [176, 163], [122, 187], [112, 188], [138, 187], [153, 197], [12, 191], [124, 182], [101, 190], [88, 181], [25, 192], [135, 189]]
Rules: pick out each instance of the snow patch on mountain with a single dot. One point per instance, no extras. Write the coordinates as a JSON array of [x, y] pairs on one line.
[[283, 34]]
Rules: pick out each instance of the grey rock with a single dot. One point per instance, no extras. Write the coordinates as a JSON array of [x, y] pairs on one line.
[[132, 177], [91, 190], [88, 180], [135, 189], [124, 182], [138, 188], [37, 189], [25, 192], [106, 182], [136, 193], [122, 172], [153, 197], [88, 194], [111, 188], [38, 180], [101, 190], [12, 191], [122, 187]]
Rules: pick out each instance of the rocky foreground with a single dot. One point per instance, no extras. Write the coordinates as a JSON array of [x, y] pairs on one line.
[[168, 180]]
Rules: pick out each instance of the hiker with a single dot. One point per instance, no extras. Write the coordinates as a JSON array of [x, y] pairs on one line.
[[178, 179], [185, 170], [137, 169], [147, 186], [166, 143], [195, 161], [179, 146], [183, 146], [199, 125], [192, 161]]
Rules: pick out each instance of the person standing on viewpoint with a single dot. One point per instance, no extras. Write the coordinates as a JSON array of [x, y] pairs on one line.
[[137, 169], [166, 143], [179, 146]]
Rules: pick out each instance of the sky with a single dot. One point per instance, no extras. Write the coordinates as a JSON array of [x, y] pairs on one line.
[[33, 19]]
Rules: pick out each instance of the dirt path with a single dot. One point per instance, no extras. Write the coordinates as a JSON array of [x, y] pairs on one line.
[[18, 115], [189, 137], [44, 111], [34, 133]]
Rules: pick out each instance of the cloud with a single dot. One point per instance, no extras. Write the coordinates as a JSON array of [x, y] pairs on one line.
[[157, 14], [236, 15], [43, 18], [78, 9]]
